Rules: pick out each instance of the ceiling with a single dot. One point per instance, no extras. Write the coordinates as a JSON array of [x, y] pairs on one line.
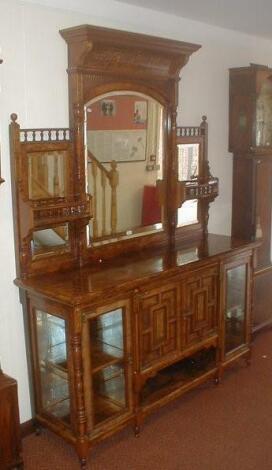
[[247, 16]]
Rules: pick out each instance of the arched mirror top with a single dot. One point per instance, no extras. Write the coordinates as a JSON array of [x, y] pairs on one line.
[[128, 87]]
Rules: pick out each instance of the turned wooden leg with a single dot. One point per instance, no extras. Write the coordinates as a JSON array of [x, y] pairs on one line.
[[82, 450], [248, 359], [84, 464], [217, 380], [137, 430], [38, 430], [20, 466]]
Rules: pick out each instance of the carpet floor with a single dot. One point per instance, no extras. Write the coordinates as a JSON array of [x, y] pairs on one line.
[[225, 427]]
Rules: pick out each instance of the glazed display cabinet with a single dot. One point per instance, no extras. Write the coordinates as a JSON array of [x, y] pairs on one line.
[[104, 359]]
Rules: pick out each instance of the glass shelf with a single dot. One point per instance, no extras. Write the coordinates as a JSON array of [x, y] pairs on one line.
[[235, 308], [107, 365], [109, 392], [52, 356], [106, 332]]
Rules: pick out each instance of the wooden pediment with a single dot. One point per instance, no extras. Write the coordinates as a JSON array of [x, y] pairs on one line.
[[96, 49]]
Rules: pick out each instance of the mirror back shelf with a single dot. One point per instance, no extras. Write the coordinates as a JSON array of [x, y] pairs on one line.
[[47, 208], [197, 188], [123, 94]]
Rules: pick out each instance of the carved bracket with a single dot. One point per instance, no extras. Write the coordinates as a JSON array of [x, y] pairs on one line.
[[193, 189]]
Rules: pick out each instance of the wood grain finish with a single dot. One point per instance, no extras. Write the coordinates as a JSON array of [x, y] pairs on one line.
[[158, 324], [118, 330], [200, 300], [10, 442]]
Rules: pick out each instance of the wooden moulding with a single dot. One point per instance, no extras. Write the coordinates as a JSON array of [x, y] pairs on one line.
[[103, 49], [102, 60]]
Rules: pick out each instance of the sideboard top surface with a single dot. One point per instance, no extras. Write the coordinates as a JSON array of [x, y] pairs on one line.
[[82, 286]]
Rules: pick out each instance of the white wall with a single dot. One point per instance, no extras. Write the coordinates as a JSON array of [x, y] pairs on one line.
[[34, 85]]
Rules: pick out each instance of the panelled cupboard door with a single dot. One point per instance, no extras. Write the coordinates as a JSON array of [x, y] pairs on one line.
[[158, 324], [107, 365], [236, 301], [199, 296]]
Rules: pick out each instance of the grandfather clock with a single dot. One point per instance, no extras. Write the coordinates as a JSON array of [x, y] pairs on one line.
[[250, 141]]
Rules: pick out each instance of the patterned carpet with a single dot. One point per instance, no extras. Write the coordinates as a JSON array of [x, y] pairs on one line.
[[228, 427]]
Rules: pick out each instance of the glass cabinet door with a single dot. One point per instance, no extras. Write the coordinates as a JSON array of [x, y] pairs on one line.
[[235, 307], [108, 365], [52, 365]]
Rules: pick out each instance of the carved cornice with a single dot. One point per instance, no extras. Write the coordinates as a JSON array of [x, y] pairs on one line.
[[107, 50]]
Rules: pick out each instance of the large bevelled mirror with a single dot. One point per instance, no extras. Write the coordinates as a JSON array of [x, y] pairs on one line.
[[124, 160]]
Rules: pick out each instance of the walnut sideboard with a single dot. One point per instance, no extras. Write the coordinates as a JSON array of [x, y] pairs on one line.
[[111, 344], [128, 301]]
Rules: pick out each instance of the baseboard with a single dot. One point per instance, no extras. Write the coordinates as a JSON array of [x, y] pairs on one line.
[[28, 427], [262, 327]]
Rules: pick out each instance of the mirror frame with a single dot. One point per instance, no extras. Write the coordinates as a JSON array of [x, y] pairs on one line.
[[102, 60]]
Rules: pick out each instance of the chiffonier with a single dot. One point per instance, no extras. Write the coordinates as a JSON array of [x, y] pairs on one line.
[[128, 301]]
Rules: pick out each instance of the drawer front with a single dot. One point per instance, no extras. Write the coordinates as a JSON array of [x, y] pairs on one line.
[[200, 306], [158, 324]]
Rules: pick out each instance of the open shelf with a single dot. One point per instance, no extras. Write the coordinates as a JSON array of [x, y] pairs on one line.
[[177, 375]]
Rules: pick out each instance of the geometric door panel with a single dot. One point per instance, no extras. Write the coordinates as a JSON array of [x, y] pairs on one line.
[[158, 324], [199, 306]]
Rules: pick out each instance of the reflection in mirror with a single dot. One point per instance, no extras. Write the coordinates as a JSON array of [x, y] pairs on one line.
[[187, 213], [50, 240], [188, 169], [124, 136], [188, 161], [264, 115], [187, 256], [47, 174]]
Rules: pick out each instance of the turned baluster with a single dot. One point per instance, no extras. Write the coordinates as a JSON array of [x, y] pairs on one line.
[[103, 184], [56, 176], [114, 180], [94, 174]]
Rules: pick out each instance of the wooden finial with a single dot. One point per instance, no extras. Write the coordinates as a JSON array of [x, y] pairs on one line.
[[1, 61], [13, 117], [204, 118]]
